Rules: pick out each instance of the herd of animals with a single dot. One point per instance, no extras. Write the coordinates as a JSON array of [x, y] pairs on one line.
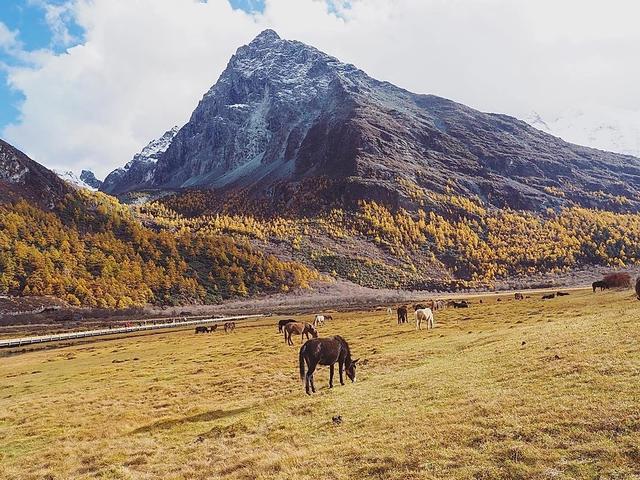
[[335, 349], [228, 328]]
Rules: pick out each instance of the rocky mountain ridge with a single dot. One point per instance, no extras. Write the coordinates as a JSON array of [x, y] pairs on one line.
[[283, 115]]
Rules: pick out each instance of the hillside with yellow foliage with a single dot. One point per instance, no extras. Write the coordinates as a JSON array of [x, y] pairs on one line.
[[461, 242], [91, 251]]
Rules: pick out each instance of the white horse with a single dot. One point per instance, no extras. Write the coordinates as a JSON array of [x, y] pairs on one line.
[[319, 320], [424, 315]]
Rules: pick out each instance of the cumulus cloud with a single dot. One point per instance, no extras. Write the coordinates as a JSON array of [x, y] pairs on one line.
[[144, 64]]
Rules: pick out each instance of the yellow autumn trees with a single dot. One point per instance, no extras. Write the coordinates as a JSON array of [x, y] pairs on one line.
[[91, 251]]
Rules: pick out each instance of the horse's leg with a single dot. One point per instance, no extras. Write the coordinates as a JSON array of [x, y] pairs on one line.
[[331, 375], [306, 381], [340, 369], [312, 368]]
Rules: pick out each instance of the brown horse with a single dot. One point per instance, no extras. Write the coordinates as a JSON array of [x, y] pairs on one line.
[[519, 296], [229, 327], [325, 351], [282, 323], [403, 314], [638, 288], [299, 328]]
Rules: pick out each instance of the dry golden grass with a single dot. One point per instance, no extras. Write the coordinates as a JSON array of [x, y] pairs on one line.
[[507, 389]]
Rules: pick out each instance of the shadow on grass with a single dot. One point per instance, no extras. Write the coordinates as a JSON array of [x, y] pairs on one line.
[[201, 417]]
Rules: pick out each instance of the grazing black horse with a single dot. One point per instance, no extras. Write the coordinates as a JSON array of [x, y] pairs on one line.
[[282, 323], [201, 330], [326, 351], [403, 314], [601, 284]]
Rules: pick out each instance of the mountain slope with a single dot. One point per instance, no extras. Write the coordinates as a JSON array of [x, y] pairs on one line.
[[21, 177], [140, 170], [283, 112], [88, 249]]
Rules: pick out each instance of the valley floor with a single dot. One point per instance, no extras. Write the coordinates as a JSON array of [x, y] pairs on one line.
[[530, 389]]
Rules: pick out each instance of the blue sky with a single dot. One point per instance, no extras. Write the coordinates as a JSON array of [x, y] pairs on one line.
[[28, 19]]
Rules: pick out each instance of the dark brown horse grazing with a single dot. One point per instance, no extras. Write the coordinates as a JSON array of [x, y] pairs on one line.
[[638, 288], [201, 329], [403, 314], [229, 327], [602, 285], [282, 323], [299, 328], [325, 351]]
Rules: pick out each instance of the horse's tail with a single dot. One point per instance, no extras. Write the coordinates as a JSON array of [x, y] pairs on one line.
[[301, 362]]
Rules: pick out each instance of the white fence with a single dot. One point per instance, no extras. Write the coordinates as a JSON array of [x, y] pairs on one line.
[[17, 342]]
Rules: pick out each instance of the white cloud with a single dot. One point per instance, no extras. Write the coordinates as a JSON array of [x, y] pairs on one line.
[[144, 64], [8, 39]]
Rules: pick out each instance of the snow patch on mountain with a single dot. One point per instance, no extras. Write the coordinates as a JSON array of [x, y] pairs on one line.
[[73, 179], [154, 148], [611, 130], [141, 168]]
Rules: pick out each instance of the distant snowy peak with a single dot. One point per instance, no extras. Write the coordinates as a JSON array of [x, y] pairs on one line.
[[141, 168], [614, 131], [73, 179], [155, 147]]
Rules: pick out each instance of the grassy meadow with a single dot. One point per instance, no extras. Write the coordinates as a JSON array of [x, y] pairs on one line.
[[530, 389]]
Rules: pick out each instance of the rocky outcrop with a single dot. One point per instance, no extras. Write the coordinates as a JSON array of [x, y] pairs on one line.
[[89, 178]]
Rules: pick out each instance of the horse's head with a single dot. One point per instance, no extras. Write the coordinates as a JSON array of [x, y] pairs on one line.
[[351, 370], [314, 331]]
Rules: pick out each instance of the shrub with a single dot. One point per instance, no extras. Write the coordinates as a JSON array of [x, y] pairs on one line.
[[618, 280]]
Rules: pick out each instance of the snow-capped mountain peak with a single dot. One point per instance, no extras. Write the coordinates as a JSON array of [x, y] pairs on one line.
[[141, 167], [73, 179], [156, 147]]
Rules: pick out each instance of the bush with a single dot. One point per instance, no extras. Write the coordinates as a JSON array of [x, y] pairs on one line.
[[618, 280]]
